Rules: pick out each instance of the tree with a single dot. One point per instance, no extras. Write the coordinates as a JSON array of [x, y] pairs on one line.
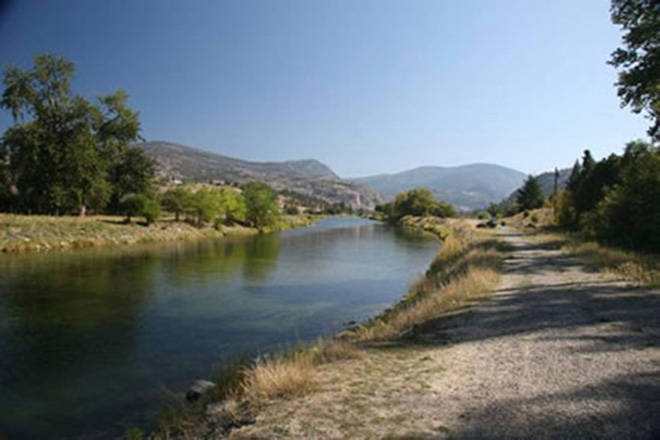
[[206, 204], [177, 200], [629, 213], [494, 210], [261, 204], [639, 58], [60, 148], [417, 202], [530, 196], [574, 178], [133, 205], [132, 173], [232, 206], [151, 210]]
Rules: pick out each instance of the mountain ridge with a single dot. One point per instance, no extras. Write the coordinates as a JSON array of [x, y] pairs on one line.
[[468, 187], [307, 176]]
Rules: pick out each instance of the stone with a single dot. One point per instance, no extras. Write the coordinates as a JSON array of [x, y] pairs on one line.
[[198, 389]]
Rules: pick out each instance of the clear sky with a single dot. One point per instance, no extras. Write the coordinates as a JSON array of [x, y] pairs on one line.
[[364, 86]]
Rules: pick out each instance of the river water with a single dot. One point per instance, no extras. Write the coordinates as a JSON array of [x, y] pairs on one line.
[[95, 341]]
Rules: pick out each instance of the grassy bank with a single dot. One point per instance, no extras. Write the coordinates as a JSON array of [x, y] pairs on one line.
[[28, 233], [465, 270]]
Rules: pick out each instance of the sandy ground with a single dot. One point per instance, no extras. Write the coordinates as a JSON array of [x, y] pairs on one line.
[[557, 352]]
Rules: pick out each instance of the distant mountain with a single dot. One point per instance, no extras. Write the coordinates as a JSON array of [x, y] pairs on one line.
[[467, 187], [309, 177]]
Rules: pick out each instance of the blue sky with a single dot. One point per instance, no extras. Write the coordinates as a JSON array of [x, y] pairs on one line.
[[364, 86]]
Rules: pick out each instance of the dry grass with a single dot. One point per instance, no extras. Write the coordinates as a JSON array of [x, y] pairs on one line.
[[434, 225], [30, 233], [292, 374], [641, 269], [465, 269], [279, 378], [534, 218]]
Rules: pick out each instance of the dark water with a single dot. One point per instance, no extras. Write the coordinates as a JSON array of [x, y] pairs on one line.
[[90, 341]]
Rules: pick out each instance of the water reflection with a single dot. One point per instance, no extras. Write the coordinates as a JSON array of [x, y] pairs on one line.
[[89, 339]]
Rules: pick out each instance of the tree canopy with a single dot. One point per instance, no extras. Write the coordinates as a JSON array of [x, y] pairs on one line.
[[530, 196], [639, 58], [64, 154], [262, 209], [617, 200], [416, 202]]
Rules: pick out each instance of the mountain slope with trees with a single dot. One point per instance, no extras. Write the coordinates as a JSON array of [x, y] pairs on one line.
[[306, 177]]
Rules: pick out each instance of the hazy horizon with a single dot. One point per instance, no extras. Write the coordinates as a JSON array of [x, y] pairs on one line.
[[364, 87]]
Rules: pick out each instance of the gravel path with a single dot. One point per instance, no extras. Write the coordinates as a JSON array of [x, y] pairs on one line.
[[556, 352]]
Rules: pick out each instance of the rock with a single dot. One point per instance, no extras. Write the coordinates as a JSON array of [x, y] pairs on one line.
[[198, 389]]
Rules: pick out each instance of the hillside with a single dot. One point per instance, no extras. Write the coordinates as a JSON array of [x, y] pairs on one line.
[[309, 177], [547, 182], [467, 186]]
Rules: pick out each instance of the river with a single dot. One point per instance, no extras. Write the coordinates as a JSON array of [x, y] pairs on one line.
[[93, 342]]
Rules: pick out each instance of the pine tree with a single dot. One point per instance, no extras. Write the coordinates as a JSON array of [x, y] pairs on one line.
[[530, 196]]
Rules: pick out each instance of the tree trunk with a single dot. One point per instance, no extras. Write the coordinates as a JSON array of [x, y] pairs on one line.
[[83, 210]]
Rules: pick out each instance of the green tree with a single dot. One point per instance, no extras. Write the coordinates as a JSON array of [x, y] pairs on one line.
[[494, 210], [417, 202], [140, 205], [206, 204], [639, 58], [132, 173], [629, 212], [261, 203], [60, 148], [232, 206], [151, 210], [530, 196], [132, 205], [177, 200]]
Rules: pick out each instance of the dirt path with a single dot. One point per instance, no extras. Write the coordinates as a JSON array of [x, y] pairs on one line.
[[557, 352]]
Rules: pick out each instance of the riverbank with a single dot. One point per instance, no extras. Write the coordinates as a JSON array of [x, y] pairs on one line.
[[464, 271], [37, 233]]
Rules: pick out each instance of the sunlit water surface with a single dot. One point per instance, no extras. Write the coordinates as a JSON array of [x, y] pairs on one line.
[[91, 341]]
